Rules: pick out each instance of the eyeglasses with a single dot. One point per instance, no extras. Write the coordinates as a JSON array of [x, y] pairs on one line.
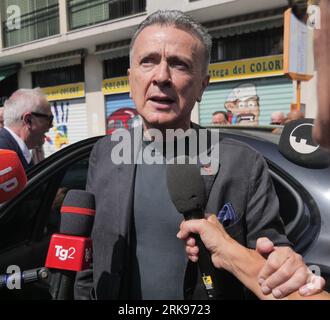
[[47, 116]]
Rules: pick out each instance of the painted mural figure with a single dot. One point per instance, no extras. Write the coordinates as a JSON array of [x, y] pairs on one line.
[[61, 116], [61, 113], [122, 118], [243, 106]]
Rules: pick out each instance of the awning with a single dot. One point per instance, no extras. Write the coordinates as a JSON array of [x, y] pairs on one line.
[[112, 50], [246, 27], [112, 54], [55, 61], [8, 70]]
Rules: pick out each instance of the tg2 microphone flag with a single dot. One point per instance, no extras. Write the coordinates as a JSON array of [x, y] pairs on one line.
[[12, 175], [71, 249], [187, 191]]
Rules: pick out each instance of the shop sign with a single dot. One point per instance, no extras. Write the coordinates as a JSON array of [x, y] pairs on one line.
[[115, 85], [246, 69], [65, 92]]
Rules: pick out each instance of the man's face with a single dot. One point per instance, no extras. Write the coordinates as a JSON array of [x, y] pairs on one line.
[[39, 125], [219, 118], [166, 76]]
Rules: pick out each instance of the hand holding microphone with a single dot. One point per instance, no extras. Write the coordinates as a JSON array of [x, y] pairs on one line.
[[214, 237], [186, 188], [12, 175]]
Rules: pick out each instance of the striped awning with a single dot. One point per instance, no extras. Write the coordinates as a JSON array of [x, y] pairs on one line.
[[247, 27], [9, 70], [112, 50], [55, 61]]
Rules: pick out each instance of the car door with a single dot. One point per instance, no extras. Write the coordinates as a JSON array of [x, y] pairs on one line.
[[28, 221]]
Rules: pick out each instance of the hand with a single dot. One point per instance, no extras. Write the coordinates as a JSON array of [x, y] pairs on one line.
[[213, 236], [285, 272]]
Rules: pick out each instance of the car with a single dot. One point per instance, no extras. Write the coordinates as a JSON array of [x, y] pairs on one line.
[[28, 221]]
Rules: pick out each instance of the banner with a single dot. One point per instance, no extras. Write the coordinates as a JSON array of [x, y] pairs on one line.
[[115, 85], [246, 69], [65, 92]]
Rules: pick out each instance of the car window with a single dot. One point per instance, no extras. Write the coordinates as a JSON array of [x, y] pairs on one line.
[[40, 206], [296, 211], [75, 177]]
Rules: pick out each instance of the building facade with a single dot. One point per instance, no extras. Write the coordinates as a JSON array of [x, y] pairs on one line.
[[77, 52]]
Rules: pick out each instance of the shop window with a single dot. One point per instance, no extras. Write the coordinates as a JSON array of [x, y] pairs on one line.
[[251, 45], [7, 87], [116, 67], [38, 19], [82, 13], [53, 77]]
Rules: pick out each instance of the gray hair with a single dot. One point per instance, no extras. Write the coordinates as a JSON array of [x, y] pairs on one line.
[[20, 102], [181, 21]]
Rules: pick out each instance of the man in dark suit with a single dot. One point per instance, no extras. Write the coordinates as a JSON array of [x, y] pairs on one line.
[[27, 117], [136, 252]]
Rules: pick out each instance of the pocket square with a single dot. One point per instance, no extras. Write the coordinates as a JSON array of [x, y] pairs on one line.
[[227, 215]]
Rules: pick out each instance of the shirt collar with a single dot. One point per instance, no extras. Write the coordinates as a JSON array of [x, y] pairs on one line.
[[26, 152]]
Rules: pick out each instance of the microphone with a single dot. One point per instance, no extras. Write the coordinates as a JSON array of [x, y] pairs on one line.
[[71, 250], [12, 175], [297, 145], [187, 191]]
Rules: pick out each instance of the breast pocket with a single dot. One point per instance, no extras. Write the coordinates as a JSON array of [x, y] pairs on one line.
[[237, 231]]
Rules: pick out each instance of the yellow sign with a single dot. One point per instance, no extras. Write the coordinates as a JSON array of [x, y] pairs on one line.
[[115, 85], [246, 69], [65, 92]]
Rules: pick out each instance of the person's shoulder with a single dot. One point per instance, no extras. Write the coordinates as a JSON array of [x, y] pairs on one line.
[[121, 134], [5, 138], [232, 143], [227, 144], [230, 147]]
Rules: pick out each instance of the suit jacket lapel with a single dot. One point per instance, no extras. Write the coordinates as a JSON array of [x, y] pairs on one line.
[[210, 168], [125, 182]]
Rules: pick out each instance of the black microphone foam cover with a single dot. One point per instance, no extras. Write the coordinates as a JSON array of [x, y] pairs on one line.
[[77, 213], [186, 188], [297, 145]]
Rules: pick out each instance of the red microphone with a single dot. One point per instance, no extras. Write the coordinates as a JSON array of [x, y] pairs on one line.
[[12, 175], [71, 249]]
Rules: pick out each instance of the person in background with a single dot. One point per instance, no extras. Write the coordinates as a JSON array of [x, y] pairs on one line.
[[27, 117], [220, 118], [294, 115], [277, 118]]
